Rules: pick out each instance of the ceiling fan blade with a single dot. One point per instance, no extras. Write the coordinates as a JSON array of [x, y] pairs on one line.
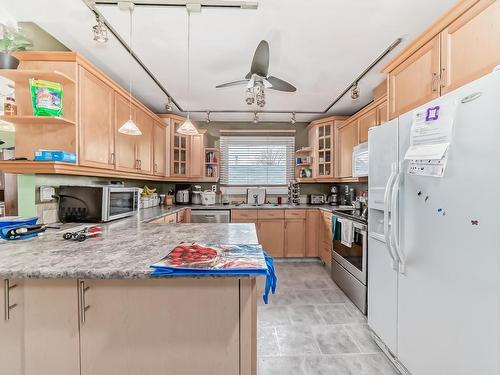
[[234, 83], [267, 84], [280, 85], [260, 62]]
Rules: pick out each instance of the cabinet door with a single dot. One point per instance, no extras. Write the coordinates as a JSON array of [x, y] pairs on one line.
[[470, 46], [382, 113], [347, 138], [96, 101], [326, 238], [159, 149], [51, 327], [365, 122], [295, 237], [416, 80], [325, 149], [144, 142], [179, 151], [271, 236], [312, 232], [196, 156], [125, 147], [165, 326], [11, 328]]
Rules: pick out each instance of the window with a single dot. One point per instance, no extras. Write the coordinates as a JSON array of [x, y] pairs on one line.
[[257, 161]]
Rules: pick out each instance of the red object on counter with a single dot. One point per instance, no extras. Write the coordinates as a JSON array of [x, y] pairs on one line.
[[279, 200]]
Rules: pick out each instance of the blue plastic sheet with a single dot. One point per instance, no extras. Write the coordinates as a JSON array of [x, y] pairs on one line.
[[11, 223]]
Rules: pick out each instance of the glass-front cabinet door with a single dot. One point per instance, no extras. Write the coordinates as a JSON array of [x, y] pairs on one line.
[[325, 150], [179, 151]]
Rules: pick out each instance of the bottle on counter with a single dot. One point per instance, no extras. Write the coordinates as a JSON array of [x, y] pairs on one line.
[[9, 106]]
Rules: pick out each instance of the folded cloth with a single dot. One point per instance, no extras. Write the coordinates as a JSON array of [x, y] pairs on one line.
[[335, 228], [346, 232]]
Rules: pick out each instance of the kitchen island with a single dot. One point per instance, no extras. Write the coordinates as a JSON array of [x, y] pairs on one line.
[[92, 307]]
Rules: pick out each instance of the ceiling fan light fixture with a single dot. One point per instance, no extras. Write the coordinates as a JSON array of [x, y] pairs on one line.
[[100, 30], [355, 91], [250, 98], [187, 128]]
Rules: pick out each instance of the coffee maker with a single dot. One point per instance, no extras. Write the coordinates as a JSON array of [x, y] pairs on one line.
[[333, 196]]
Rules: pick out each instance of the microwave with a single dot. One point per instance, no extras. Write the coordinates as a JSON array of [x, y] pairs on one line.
[[95, 204]]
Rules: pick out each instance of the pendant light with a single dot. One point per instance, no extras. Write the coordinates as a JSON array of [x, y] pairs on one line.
[[129, 127], [187, 128]]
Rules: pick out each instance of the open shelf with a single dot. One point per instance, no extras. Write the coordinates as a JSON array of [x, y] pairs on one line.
[[37, 120], [304, 150], [23, 76]]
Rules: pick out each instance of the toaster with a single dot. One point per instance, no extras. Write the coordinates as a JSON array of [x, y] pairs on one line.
[[317, 199]]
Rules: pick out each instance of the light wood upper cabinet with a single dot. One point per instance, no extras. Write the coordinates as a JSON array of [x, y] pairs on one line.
[[197, 156], [271, 236], [96, 121], [347, 135], [132, 327], [144, 142], [295, 237], [382, 116], [470, 45], [365, 122], [179, 150], [160, 149], [125, 147], [325, 149], [416, 80], [11, 329]]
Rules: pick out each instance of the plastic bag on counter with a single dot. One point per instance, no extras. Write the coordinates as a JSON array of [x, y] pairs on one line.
[[46, 98]]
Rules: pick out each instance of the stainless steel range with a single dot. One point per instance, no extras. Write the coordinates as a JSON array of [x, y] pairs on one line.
[[349, 265]]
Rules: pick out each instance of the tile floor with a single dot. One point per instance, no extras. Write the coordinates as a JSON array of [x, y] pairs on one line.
[[310, 327]]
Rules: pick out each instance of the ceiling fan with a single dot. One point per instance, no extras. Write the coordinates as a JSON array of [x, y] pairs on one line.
[[258, 79]]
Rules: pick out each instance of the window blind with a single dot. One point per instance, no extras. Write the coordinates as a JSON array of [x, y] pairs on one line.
[[257, 160]]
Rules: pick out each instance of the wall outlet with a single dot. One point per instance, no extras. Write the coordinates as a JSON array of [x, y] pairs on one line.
[[46, 193]]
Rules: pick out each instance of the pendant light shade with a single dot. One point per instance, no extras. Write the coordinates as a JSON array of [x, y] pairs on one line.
[[187, 128], [130, 128]]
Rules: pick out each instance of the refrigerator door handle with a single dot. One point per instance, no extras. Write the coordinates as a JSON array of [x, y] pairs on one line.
[[394, 233], [392, 254]]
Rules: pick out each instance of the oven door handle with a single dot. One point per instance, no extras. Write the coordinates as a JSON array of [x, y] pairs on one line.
[[394, 233], [387, 226]]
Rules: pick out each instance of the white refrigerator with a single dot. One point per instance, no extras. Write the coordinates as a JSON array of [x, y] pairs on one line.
[[434, 242]]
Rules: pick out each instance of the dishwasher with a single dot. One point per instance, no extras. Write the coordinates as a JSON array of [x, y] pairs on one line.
[[210, 216]]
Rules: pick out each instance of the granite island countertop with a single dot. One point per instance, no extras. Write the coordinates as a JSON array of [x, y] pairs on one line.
[[125, 249]]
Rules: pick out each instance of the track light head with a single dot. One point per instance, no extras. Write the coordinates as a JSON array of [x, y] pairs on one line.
[[293, 120], [100, 30], [168, 106], [207, 120], [355, 91], [255, 118]]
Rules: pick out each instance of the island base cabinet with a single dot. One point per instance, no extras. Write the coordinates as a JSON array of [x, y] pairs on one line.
[[11, 328], [166, 326]]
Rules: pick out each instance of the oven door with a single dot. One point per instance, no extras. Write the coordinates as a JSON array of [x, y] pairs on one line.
[[119, 202], [353, 258]]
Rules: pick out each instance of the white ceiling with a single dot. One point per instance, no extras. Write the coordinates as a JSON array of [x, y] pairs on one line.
[[319, 46]]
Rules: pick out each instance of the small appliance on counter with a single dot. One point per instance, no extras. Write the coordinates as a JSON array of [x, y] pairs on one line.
[[208, 198], [182, 193], [196, 195], [333, 197], [317, 199], [96, 203]]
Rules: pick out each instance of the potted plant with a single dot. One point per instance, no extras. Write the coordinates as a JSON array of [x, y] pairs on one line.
[[11, 40]]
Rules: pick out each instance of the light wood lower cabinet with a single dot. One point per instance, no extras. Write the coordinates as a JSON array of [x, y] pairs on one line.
[[271, 236], [11, 328], [295, 237], [312, 232], [161, 326], [325, 245]]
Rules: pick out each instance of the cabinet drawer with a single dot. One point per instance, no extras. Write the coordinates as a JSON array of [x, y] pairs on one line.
[[271, 214], [243, 214], [169, 219], [295, 214]]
